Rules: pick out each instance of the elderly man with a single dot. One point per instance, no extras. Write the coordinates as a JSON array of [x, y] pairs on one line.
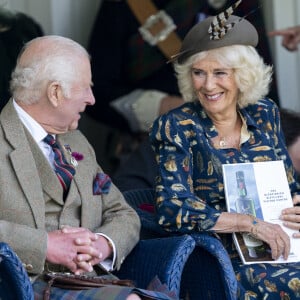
[[59, 211]]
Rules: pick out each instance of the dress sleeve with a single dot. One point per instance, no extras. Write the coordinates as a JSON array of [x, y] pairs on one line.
[[178, 207]]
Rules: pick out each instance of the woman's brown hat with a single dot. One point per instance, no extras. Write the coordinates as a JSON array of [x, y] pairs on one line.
[[214, 33]]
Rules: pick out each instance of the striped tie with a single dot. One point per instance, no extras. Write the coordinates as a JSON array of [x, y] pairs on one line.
[[62, 168]]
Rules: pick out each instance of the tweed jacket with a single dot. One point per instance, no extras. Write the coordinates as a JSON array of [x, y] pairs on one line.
[[31, 201]]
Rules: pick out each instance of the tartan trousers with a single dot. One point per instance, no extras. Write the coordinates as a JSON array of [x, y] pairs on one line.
[[112, 292]]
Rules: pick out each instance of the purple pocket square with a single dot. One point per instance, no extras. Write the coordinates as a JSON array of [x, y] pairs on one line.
[[101, 184]]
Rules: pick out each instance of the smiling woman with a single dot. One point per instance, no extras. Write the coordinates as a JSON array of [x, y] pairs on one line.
[[214, 86], [226, 119]]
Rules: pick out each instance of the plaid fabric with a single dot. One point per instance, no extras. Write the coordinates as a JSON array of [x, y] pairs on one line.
[[63, 169], [105, 293], [101, 184], [145, 59]]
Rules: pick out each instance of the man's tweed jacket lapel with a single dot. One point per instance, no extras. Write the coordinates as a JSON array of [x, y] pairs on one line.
[[23, 161]]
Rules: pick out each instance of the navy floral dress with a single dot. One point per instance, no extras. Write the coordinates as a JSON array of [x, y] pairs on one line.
[[190, 190]]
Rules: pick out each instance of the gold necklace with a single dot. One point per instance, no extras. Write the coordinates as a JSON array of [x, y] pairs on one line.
[[222, 142], [225, 142]]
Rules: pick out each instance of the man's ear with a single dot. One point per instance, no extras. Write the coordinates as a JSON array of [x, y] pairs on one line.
[[54, 93]]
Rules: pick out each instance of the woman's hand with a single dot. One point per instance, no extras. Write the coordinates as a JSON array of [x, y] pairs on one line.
[[291, 216], [274, 236]]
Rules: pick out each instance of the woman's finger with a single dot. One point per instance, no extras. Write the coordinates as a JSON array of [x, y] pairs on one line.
[[292, 225]]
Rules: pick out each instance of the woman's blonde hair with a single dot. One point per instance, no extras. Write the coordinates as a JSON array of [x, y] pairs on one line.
[[252, 75]]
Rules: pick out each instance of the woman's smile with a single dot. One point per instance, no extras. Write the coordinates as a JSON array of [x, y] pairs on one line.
[[213, 97]]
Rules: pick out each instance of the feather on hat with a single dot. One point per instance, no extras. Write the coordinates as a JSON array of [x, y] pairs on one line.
[[219, 31]]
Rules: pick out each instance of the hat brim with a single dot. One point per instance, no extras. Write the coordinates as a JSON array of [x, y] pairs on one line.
[[198, 39]]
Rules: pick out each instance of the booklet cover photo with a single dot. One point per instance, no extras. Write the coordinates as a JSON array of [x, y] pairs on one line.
[[260, 189]]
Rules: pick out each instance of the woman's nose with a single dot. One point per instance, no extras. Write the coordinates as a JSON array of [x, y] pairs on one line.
[[210, 82]]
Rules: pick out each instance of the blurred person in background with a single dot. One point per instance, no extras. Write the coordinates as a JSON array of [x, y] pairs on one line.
[[290, 37], [133, 83], [16, 28]]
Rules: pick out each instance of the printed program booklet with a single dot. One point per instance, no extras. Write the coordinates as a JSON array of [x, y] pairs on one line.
[[260, 189]]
